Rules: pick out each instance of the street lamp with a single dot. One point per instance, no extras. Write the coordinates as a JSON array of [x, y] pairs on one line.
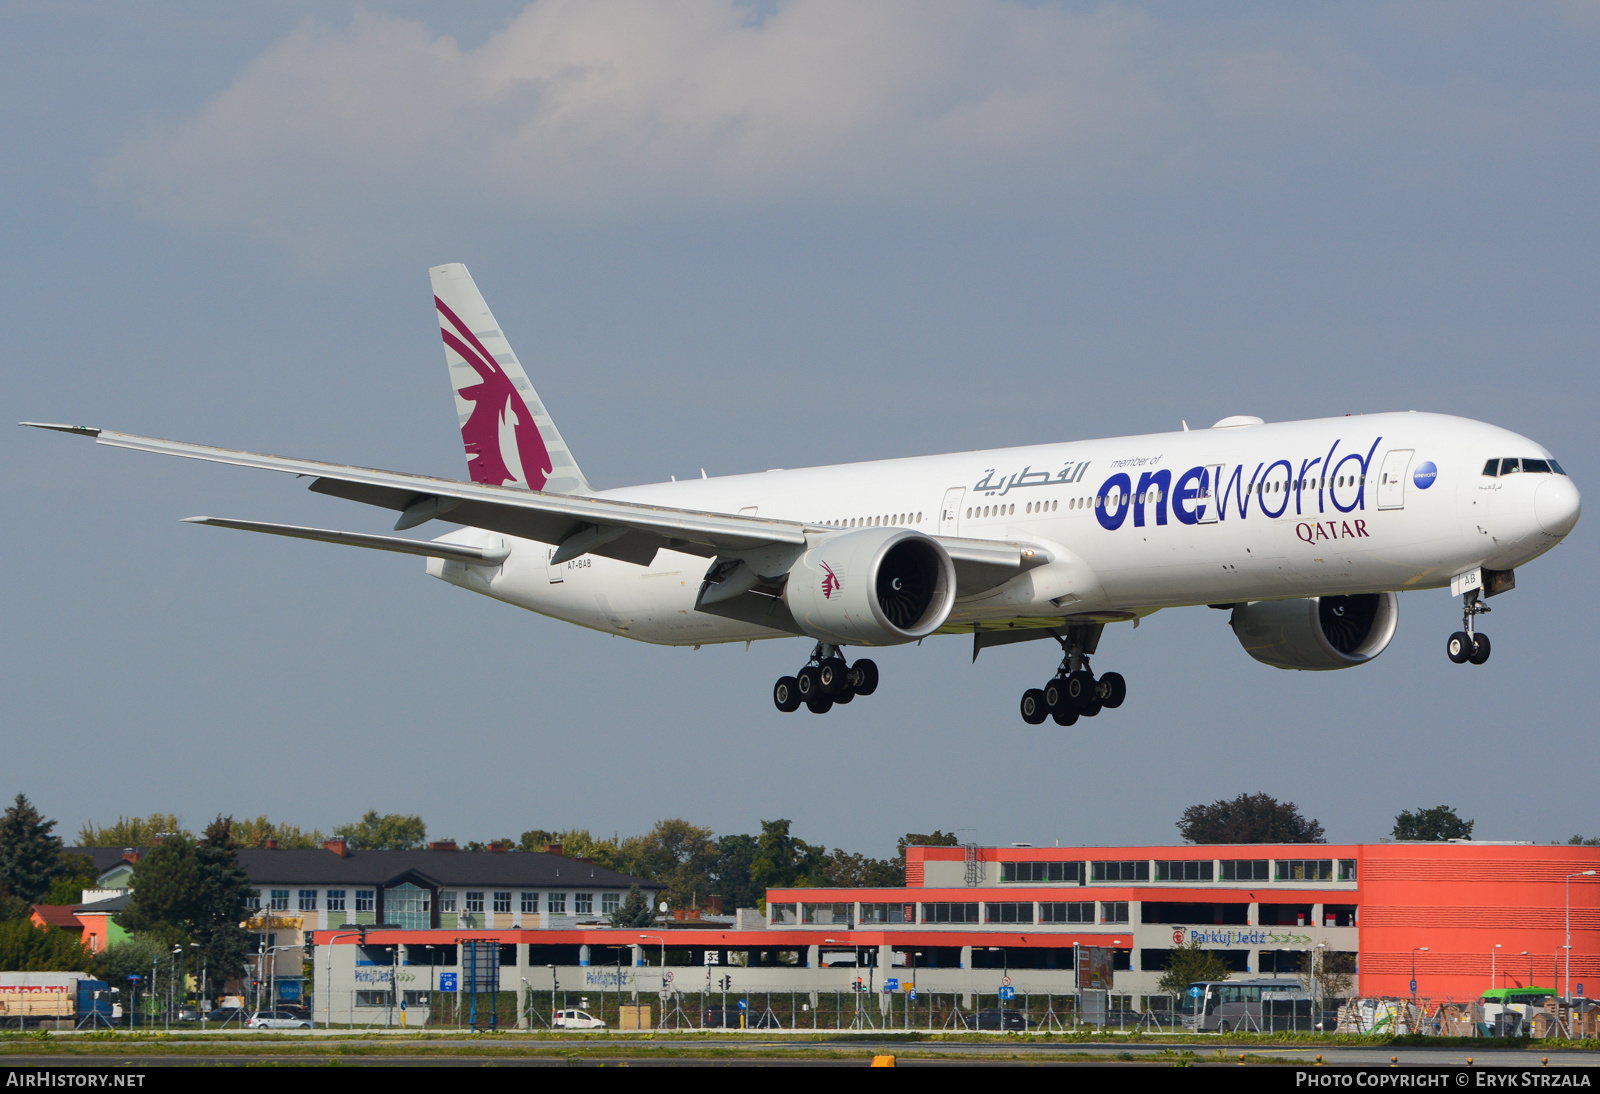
[[1414, 951], [1580, 873], [1492, 982], [172, 988], [552, 1023]]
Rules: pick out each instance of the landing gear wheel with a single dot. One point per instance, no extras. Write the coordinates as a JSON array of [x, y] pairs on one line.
[[806, 685], [1090, 708], [786, 695], [831, 677], [863, 677], [819, 706], [1065, 716], [1055, 695], [1081, 690], [1113, 690], [1034, 709], [1480, 649], [1459, 647], [844, 696]]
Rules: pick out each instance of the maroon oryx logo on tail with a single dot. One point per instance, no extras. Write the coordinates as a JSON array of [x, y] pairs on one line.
[[830, 582], [502, 441]]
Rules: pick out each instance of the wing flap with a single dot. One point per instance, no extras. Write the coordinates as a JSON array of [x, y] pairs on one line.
[[492, 556]]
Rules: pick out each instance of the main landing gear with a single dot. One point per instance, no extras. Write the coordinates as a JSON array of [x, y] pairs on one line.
[[1074, 692], [1467, 645], [824, 681]]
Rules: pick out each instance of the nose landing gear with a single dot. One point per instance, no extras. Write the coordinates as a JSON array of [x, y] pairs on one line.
[[1074, 692], [1467, 645], [825, 680]]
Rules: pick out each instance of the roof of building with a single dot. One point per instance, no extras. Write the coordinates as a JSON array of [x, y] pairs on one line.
[[107, 906], [57, 915], [513, 869]]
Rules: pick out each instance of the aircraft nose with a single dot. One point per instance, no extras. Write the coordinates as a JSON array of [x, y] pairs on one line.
[[1557, 505]]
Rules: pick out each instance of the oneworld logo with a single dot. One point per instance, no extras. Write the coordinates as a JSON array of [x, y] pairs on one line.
[[1424, 475], [830, 582]]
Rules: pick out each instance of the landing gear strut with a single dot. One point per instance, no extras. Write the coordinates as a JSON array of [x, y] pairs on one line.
[[1466, 644], [825, 680], [1074, 692]]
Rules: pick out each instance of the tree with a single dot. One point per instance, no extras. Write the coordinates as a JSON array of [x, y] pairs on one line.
[[30, 857], [389, 832], [732, 875], [136, 956], [1249, 818], [678, 854], [131, 831], [1431, 825], [847, 870], [26, 948], [1580, 841], [77, 874], [1189, 964], [1327, 975], [256, 833], [536, 840], [634, 911], [781, 861], [224, 900], [166, 888]]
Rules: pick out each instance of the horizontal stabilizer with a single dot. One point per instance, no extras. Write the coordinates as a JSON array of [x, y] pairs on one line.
[[492, 556]]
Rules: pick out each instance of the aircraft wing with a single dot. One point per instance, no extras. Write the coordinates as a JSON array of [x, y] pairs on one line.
[[629, 531]]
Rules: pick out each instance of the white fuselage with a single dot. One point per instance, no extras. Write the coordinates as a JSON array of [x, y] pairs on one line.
[[1134, 524]]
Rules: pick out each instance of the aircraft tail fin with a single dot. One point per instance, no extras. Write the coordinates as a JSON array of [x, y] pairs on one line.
[[510, 437]]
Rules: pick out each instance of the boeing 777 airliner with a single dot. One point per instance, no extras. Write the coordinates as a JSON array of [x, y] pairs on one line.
[[1303, 531]]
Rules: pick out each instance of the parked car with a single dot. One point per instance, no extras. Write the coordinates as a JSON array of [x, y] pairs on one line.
[[994, 1018], [187, 1014], [227, 1014], [728, 1018], [277, 1019], [576, 1019]]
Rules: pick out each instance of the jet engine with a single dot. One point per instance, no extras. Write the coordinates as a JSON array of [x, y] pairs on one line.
[[872, 587], [1318, 632]]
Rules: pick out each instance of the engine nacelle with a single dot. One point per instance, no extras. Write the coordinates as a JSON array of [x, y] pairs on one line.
[[1318, 632], [872, 587]]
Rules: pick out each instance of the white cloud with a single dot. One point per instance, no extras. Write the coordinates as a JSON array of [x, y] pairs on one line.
[[604, 107]]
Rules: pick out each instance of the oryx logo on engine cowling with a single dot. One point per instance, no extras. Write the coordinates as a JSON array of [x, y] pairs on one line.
[[830, 581]]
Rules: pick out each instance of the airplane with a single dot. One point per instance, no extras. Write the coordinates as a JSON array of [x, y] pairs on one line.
[[1304, 531]]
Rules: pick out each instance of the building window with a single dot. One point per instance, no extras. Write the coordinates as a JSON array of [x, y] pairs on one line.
[[1015, 911], [1073, 911], [1122, 871], [555, 903], [610, 902], [530, 903], [373, 998], [1245, 869], [1306, 869], [335, 900], [502, 903], [1114, 911], [474, 901], [888, 913], [253, 901], [949, 913], [447, 900], [280, 900], [783, 914], [1042, 871], [827, 915], [408, 906], [1347, 869], [365, 899], [1184, 870], [308, 900], [583, 904]]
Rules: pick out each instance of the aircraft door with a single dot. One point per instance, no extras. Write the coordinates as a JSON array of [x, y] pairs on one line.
[[1392, 479], [1210, 503], [554, 571], [950, 511]]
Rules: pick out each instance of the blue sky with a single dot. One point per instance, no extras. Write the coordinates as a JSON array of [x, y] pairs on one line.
[[736, 237]]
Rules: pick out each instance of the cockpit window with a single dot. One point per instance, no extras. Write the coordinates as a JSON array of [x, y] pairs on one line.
[[1514, 465]]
